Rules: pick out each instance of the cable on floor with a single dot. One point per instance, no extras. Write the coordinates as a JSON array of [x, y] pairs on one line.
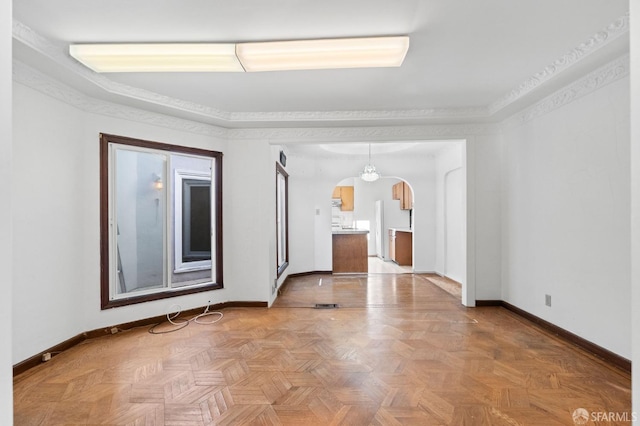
[[180, 323]]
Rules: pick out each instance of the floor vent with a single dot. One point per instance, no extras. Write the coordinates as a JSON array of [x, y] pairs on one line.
[[326, 305]]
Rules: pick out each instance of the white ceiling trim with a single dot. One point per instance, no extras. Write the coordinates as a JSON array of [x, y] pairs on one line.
[[609, 73], [413, 114], [599, 40], [367, 134], [57, 53], [30, 77], [36, 80]]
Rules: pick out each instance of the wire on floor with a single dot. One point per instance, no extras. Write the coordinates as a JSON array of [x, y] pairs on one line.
[[180, 323]]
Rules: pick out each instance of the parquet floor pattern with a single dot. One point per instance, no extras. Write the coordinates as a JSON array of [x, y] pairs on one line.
[[398, 351]]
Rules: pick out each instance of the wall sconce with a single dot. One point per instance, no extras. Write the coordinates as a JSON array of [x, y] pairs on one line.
[[157, 182]]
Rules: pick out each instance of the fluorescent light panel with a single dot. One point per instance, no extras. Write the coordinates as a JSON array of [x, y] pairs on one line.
[[323, 54], [178, 57], [228, 57]]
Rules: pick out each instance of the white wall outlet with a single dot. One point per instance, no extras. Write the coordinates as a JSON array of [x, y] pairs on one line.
[[547, 299], [46, 357]]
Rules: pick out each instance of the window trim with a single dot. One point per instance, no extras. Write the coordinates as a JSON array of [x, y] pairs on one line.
[[281, 171], [105, 301], [178, 239]]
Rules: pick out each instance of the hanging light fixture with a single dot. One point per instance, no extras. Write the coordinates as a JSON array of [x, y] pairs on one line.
[[369, 173]]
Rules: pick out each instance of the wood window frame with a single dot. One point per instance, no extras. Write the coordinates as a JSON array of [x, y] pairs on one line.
[[217, 282], [280, 268]]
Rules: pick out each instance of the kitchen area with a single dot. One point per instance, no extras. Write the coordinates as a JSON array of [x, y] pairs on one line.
[[371, 223]]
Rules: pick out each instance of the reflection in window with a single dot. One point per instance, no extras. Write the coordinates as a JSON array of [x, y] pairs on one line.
[[192, 248], [160, 220], [196, 211]]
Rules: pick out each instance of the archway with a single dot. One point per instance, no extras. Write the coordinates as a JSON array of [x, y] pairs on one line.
[[384, 211]]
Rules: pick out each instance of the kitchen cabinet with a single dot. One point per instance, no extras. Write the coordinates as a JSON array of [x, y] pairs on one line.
[[401, 246], [350, 252], [345, 193], [402, 191]]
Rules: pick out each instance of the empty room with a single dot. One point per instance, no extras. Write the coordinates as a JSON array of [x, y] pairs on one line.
[[297, 212]]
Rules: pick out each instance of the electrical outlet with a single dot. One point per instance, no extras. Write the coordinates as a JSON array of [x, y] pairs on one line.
[[547, 299], [46, 357], [114, 330]]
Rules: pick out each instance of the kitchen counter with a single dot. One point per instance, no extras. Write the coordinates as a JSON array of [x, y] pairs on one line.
[[401, 229], [401, 246], [350, 251], [341, 231]]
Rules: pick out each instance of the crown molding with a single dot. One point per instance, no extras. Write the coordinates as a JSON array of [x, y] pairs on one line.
[[201, 113], [359, 134], [609, 73], [36, 80], [599, 40], [355, 115], [30, 77], [58, 54]]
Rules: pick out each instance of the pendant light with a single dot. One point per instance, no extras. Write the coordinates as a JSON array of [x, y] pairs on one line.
[[369, 173]]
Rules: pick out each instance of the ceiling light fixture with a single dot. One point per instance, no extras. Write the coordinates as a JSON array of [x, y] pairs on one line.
[[191, 57], [366, 52], [369, 173]]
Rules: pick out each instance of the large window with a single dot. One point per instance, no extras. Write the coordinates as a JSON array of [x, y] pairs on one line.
[[282, 219], [160, 220]]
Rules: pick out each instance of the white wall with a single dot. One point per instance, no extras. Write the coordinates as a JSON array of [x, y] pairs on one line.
[[312, 182], [454, 215], [48, 216], [635, 202], [56, 221], [566, 217], [483, 166], [249, 220], [6, 263], [447, 160]]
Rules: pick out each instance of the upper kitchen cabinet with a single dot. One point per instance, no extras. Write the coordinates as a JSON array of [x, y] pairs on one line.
[[402, 191], [345, 193]]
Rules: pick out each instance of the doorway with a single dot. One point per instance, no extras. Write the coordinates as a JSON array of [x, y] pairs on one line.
[[454, 226], [379, 209]]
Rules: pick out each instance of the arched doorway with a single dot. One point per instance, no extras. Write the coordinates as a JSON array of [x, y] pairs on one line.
[[383, 211], [454, 267]]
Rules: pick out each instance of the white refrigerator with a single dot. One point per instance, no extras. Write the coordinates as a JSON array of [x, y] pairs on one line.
[[380, 229]]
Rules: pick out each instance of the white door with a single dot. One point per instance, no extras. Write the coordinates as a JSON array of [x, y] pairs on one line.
[[380, 229]]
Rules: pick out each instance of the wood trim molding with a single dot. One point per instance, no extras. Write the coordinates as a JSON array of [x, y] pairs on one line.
[[36, 360], [481, 303], [105, 140], [606, 355], [282, 286], [304, 274]]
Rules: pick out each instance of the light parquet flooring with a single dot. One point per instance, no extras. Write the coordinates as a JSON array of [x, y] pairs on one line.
[[398, 351], [379, 266]]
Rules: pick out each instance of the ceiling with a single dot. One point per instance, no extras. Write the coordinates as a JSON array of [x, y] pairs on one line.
[[361, 149], [468, 61]]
